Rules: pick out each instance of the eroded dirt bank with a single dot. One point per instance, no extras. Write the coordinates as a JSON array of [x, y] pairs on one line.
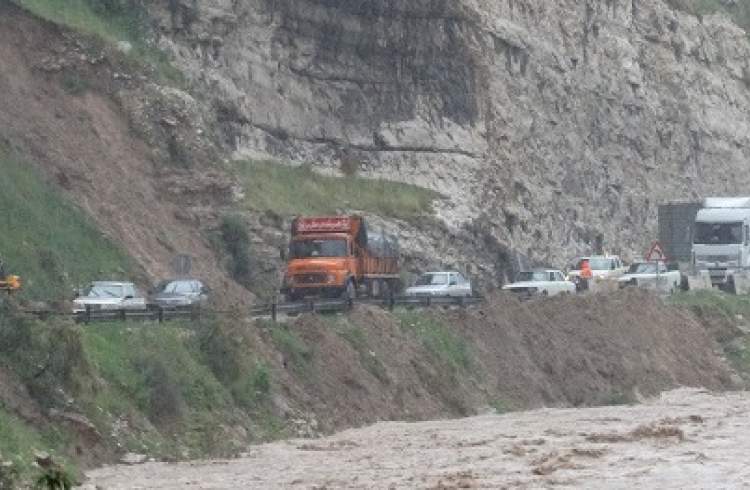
[[684, 439]]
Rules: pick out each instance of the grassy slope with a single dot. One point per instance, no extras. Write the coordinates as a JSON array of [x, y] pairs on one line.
[[171, 391], [299, 190], [48, 241], [729, 310], [112, 21]]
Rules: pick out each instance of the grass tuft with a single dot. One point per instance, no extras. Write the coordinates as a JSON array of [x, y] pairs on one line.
[[297, 352], [112, 21], [438, 338], [299, 190]]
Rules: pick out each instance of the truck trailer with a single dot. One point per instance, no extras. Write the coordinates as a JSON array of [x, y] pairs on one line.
[[337, 256]]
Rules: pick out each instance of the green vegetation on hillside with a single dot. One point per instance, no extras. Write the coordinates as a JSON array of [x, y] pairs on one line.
[[738, 11], [47, 240], [445, 344], [288, 190], [111, 21], [168, 391], [722, 313], [722, 305]]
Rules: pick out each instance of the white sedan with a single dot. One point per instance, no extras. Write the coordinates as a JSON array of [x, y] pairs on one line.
[[547, 282], [446, 283]]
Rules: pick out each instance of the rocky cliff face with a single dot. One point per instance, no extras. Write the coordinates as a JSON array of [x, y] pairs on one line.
[[547, 125]]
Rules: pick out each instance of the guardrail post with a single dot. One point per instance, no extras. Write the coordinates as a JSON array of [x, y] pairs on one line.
[[350, 303], [160, 314], [273, 311], [123, 315], [312, 306], [87, 316]]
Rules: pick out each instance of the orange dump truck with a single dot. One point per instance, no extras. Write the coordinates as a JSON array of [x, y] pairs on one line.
[[337, 256]]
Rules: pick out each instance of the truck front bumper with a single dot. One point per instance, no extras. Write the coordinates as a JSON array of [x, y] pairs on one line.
[[309, 291]]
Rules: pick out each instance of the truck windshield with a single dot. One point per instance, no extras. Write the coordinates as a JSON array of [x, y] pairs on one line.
[[718, 233], [532, 276], [99, 291], [644, 268], [303, 249], [432, 280]]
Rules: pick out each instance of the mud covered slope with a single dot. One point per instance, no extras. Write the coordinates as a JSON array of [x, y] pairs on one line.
[[545, 122], [373, 365], [59, 111]]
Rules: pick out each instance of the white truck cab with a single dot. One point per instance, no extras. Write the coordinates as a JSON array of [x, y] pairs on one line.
[[721, 239]]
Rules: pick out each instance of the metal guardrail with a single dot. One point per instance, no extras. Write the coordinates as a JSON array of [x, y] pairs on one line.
[[272, 310], [318, 305]]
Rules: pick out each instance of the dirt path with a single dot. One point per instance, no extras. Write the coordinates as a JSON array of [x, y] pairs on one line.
[[685, 439]]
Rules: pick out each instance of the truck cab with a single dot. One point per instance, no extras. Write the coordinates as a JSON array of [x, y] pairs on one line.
[[721, 240], [320, 263], [337, 256]]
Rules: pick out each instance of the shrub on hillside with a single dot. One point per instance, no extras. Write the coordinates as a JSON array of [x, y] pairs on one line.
[[236, 242]]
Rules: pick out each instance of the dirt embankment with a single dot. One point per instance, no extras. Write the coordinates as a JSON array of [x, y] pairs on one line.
[[601, 349]]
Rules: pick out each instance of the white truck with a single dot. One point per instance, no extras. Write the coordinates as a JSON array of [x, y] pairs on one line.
[[654, 275], [721, 241]]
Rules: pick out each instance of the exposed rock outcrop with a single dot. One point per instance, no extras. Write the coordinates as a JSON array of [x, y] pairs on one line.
[[551, 123]]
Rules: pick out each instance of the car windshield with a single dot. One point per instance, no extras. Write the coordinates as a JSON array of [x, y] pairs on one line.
[[596, 264], [178, 287], [303, 249], [718, 233], [532, 276], [432, 280], [100, 291], [643, 268]]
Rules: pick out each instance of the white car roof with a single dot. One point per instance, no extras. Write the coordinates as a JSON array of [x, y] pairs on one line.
[[111, 283]]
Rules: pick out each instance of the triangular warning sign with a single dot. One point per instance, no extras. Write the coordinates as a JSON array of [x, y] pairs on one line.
[[656, 252]]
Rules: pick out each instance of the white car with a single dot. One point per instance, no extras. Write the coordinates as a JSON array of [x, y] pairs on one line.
[[109, 295], [444, 283], [654, 275], [543, 282]]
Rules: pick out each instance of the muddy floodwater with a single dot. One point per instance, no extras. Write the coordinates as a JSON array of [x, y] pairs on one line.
[[684, 439]]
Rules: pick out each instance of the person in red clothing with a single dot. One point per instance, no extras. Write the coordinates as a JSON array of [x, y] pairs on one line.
[[586, 274]]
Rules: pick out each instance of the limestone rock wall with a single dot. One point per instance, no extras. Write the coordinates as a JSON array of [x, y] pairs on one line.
[[546, 124]]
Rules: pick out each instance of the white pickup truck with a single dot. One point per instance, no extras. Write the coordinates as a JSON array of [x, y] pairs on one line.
[[653, 275]]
